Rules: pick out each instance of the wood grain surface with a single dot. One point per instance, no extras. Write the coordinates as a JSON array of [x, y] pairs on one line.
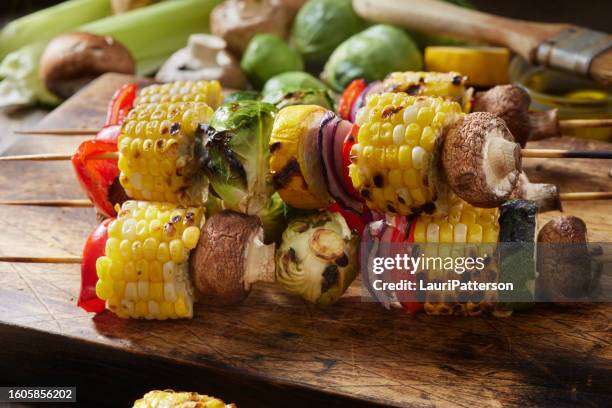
[[275, 350]]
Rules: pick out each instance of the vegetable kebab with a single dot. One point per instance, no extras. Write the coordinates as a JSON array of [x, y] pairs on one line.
[[509, 102], [505, 238], [154, 260]]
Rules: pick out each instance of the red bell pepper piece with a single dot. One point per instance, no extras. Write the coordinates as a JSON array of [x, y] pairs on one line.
[[349, 96], [354, 221], [121, 104], [94, 248], [96, 176]]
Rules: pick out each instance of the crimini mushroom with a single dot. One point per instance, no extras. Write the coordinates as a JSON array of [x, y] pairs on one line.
[[72, 60], [511, 103], [237, 21], [230, 257], [481, 160], [204, 58], [564, 262]]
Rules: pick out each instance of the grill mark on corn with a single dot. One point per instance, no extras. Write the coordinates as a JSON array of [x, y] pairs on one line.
[[175, 128], [391, 110], [283, 176]]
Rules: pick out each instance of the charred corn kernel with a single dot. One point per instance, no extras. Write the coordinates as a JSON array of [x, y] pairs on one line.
[[208, 92], [158, 141], [447, 85], [381, 149], [170, 398], [139, 272]]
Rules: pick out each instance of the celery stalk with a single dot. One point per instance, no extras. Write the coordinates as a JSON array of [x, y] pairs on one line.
[[47, 23], [151, 34]]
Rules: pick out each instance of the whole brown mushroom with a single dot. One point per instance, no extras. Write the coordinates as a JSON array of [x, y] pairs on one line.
[[72, 60], [480, 159], [237, 21], [511, 103], [564, 262], [230, 257]]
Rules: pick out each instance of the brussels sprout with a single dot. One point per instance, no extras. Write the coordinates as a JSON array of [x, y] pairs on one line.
[[266, 56], [317, 258], [371, 55], [235, 154], [291, 81], [320, 97], [321, 25], [242, 96], [274, 217]]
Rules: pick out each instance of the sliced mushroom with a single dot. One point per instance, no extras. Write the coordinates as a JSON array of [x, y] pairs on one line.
[[481, 160], [204, 58], [230, 257], [564, 262], [237, 21], [511, 103], [72, 60]]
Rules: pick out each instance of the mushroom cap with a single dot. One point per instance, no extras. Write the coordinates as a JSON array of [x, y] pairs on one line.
[[480, 159], [237, 21], [511, 104], [73, 59], [218, 263], [564, 263]]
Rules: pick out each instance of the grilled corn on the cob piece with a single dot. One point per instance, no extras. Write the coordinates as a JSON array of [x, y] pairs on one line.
[[208, 92], [172, 399], [465, 230], [391, 163], [447, 85], [144, 273], [157, 153]]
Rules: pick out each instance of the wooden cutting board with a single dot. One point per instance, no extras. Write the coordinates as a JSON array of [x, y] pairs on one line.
[[275, 350]]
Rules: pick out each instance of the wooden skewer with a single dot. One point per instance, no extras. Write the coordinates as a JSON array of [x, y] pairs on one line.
[[566, 154], [57, 157], [57, 132], [42, 259], [566, 124], [585, 196], [540, 153], [49, 203]]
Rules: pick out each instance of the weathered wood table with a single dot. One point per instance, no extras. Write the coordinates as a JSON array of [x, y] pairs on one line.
[[274, 350]]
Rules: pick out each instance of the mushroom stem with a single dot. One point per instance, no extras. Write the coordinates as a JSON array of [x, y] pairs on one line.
[[504, 156], [260, 262]]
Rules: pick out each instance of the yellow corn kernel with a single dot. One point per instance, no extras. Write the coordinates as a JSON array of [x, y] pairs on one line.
[[405, 157], [460, 233], [191, 235], [103, 267], [420, 231], [413, 134], [395, 178], [446, 233], [474, 233], [411, 178], [428, 139], [176, 250]]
